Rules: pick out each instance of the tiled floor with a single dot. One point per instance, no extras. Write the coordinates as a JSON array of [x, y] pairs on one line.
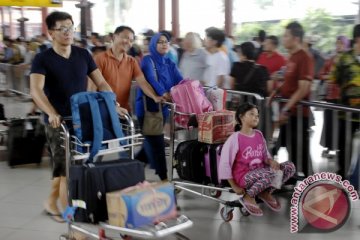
[[23, 189]]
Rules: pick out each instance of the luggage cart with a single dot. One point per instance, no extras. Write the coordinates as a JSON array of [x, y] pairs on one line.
[[3, 131], [92, 231], [3, 137], [24, 134], [210, 192]]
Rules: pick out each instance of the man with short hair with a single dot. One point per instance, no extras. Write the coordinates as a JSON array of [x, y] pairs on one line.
[[119, 69], [218, 63], [271, 59], [57, 74], [296, 87], [259, 42]]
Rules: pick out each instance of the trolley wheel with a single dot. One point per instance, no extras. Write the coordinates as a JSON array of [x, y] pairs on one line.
[[215, 193], [177, 191], [227, 216], [243, 211], [64, 237], [126, 237]]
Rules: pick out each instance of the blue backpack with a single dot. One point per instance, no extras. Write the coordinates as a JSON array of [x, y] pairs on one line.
[[95, 119]]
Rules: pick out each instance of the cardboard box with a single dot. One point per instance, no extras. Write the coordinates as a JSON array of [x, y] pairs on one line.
[[141, 205], [216, 127]]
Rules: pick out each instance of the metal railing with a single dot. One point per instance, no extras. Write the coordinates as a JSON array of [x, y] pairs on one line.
[[15, 78], [341, 116], [12, 78]]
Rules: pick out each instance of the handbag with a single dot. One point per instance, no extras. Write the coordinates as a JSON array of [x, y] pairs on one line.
[[153, 121]]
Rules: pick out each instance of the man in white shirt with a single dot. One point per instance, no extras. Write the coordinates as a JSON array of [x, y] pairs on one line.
[[218, 64]]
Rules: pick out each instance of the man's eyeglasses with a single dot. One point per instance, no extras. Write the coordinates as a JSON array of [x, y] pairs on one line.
[[65, 29], [163, 42]]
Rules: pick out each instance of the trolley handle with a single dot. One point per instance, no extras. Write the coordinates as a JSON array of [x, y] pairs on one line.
[[127, 117]]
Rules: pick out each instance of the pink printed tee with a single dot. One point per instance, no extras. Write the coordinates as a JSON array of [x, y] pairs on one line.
[[242, 153]]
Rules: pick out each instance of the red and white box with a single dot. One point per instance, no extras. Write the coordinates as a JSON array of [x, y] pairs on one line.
[[215, 127]]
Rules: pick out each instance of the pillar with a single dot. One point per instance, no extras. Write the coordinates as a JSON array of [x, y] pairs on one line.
[[3, 28], [44, 13], [10, 23], [85, 17], [228, 17], [175, 19], [22, 21], [161, 15]]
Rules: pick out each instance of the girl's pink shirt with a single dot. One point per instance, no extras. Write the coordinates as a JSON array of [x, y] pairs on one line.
[[242, 153]]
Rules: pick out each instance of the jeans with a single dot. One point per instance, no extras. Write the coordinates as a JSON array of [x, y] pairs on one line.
[[154, 147]]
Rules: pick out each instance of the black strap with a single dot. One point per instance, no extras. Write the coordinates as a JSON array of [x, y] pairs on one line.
[[153, 65], [157, 79], [250, 74]]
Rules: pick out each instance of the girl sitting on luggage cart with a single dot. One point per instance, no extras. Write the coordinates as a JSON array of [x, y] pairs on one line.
[[247, 165]]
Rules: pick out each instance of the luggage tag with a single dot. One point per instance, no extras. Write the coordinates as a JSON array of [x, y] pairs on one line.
[[28, 126], [68, 214], [113, 144]]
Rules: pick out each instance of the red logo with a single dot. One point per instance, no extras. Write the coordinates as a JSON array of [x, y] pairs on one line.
[[326, 207]]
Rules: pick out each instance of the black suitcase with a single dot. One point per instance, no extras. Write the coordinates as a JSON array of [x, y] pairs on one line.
[[25, 142], [190, 161], [2, 112], [90, 183], [212, 152]]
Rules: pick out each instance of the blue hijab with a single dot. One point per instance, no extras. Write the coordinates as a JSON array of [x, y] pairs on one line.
[[167, 76], [155, 55]]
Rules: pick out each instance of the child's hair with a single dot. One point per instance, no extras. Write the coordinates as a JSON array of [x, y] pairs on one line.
[[240, 111]]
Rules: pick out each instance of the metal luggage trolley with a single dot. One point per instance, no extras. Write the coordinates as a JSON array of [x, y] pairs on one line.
[[93, 231], [4, 129], [211, 192]]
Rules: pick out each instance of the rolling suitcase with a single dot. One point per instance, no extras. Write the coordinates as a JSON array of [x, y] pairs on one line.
[[26, 141], [89, 184], [2, 112], [94, 121], [211, 163], [190, 161]]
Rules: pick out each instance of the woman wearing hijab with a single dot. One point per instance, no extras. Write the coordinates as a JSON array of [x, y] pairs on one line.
[[332, 93], [162, 74]]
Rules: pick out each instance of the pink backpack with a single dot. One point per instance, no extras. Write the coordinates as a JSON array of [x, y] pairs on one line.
[[189, 97]]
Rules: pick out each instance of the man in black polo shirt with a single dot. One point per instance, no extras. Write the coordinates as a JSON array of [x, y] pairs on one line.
[[56, 75]]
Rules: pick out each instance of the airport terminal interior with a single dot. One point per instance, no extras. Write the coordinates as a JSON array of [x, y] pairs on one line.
[[246, 30]]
